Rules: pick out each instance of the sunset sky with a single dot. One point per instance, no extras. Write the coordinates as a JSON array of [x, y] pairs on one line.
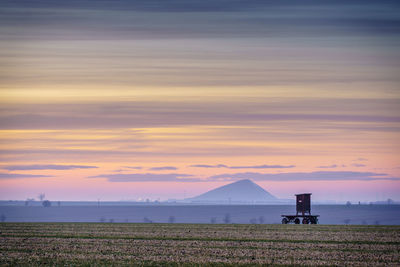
[[128, 100]]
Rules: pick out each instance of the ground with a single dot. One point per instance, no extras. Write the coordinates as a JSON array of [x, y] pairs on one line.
[[31, 244]]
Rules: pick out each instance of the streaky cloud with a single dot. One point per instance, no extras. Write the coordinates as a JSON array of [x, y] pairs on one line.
[[265, 166], [118, 170], [164, 168], [227, 19], [149, 118], [328, 166], [133, 167], [307, 176], [21, 176], [46, 167], [361, 159], [148, 177], [295, 176], [209, 166], [358, 165]]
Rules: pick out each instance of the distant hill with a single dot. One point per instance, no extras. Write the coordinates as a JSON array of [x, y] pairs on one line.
[[243, 191]]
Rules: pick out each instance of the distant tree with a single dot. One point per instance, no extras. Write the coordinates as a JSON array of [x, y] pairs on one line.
[[348, 203], [377, 222], [171, 219], [102, 219], [227, 218], [390, 201], [261, 220], [3, 218], [253, 221], [29, 201], [41, 196], [346, 221], [213, 220], [147, 220], [46, 203], [111, 220]]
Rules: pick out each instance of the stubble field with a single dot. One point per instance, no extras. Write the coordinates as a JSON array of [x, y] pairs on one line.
[[31, 244]]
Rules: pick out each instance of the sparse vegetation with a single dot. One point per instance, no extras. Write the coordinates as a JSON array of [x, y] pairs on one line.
[[227, 218], [46, 203], [41, 196], [30, 244], [171, 219]]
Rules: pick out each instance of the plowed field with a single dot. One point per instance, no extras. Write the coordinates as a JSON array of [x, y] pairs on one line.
[[31, 244]]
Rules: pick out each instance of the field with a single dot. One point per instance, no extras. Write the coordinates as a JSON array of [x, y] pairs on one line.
[[117, 244]]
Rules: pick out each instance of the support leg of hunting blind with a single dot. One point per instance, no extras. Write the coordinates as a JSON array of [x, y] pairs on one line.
[[297, 219]]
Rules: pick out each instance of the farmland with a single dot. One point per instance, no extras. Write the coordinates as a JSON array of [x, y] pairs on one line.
[[187, 244]]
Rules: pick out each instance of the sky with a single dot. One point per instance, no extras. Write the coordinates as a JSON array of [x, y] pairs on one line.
[[132, 100]]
